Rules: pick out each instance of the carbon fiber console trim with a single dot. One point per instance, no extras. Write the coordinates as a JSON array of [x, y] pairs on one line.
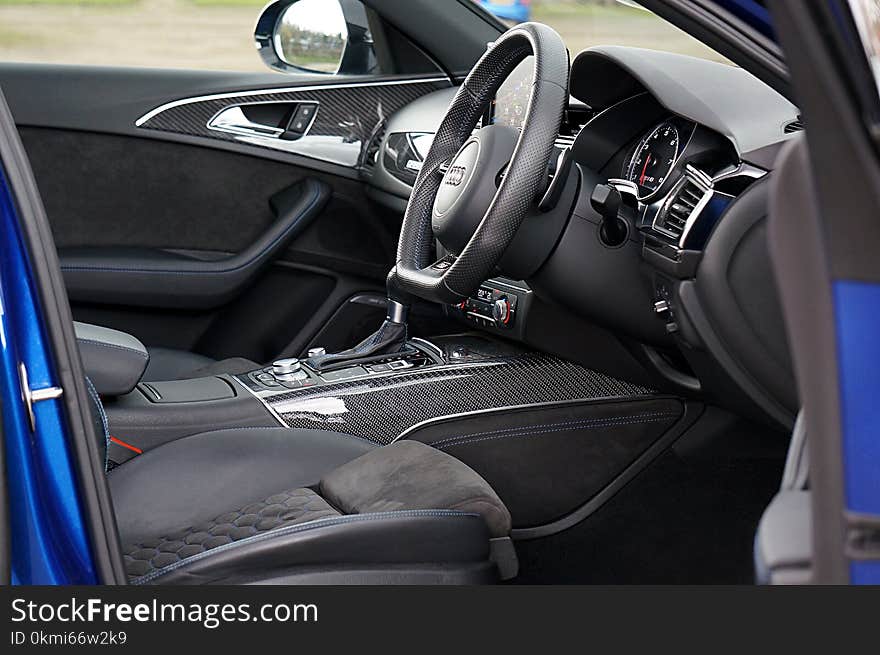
[[347, 115], [382, 407]]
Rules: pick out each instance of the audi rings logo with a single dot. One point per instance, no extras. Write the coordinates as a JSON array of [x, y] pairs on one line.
[[455, 175]]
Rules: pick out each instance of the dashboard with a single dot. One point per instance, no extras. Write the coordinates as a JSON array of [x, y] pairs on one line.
[[690, 145]]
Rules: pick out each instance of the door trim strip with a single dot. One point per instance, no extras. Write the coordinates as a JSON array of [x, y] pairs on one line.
[[292, 89]]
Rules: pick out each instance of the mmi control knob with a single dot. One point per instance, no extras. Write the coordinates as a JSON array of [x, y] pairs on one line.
[[501, 311], [286, 366]]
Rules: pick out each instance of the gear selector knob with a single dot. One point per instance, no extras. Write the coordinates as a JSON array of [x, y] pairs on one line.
[[285, 366]]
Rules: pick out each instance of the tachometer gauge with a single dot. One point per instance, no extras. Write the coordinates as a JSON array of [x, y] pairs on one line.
[[654, 158]]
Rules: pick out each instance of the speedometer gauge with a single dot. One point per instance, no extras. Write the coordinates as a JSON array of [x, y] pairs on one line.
[[654, 158]]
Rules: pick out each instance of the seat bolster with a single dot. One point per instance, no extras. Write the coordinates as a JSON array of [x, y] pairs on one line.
[[373, 541], [411, 475], [198, 478]]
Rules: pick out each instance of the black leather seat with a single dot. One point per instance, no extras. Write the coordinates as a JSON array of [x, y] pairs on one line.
[[172, 364], [305, 506]]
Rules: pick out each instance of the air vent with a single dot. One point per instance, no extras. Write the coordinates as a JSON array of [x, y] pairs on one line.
[[564, 141], [794, 126], [371, 152], [672, 219]]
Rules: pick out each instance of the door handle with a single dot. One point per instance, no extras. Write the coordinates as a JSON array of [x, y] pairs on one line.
[[286, 121], [233, 120]]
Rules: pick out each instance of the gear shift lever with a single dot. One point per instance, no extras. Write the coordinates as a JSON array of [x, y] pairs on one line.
[[390, 338]]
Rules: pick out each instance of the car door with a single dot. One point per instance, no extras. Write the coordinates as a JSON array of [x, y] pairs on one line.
[[824, 238], [222, 212]]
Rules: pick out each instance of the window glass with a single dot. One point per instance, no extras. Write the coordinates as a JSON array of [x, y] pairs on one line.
[[867, 17], [218, 34], [201, 34], [585, 23]]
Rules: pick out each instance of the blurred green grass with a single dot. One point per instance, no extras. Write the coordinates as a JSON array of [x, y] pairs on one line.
[[230, 3], [12, 37], [109, 3], [103, 3], [553, 11]]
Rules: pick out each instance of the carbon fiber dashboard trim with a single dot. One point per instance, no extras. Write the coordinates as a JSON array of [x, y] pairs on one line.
[[347, 115], [381, 408]]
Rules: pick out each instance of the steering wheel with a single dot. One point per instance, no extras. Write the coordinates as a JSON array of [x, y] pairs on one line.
[[475, 188]]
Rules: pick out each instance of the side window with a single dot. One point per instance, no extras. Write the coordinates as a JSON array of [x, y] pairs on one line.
[[292, 36]]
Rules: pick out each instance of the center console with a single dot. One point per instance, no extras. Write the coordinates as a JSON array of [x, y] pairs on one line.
[[454, 375], [294, 374]]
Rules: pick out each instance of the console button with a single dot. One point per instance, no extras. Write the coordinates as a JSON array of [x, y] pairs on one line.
[[301, 119], [293, 377], [344, 373]]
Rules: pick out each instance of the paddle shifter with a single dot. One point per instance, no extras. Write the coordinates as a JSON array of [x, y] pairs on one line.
[[390, 338]]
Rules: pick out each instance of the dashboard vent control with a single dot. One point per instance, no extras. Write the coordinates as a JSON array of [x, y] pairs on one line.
[[680, 210], [674, 219], [564, 141]]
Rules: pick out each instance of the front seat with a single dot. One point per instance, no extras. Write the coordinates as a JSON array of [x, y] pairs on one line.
[[304, 506]]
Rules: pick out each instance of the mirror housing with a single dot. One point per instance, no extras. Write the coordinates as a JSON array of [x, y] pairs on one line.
[[316, 36]]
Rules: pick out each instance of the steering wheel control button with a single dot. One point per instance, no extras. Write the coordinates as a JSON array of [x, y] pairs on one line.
[[286, 366], [443, 264], [661, 307]]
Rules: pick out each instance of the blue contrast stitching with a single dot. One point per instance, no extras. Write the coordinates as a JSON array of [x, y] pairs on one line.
[[104, 344], [573, 424], [527, 432], [97, 400], [302, 527], [225, 271], [538, 432]]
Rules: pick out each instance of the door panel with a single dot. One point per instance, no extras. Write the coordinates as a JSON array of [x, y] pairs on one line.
[[188, 204]]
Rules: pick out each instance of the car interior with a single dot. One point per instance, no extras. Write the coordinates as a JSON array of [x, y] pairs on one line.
[[460, 315]]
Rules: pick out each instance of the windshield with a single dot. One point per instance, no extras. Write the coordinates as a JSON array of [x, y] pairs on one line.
[[586, 23], [218, 34]]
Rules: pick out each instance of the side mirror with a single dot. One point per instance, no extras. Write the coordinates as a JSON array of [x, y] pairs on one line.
[[316, 36]]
